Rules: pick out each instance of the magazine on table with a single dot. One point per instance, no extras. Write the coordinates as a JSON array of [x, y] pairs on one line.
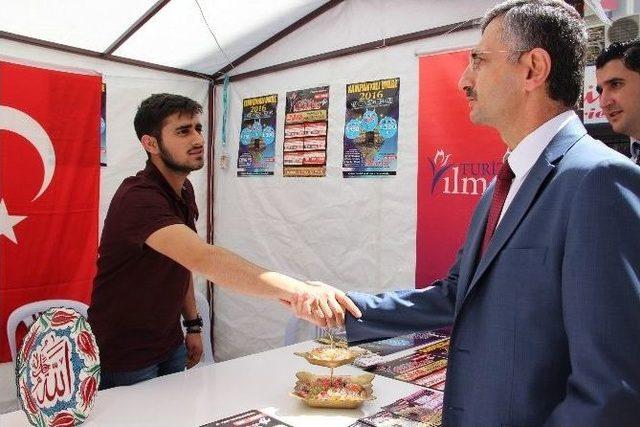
[[252, 418]]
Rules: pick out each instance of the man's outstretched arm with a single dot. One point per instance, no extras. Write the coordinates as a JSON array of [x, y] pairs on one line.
[[228, 269]]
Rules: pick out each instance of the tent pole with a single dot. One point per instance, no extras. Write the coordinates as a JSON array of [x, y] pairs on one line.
[[404, 38], [136, 26], [211, 129], [92, 54]]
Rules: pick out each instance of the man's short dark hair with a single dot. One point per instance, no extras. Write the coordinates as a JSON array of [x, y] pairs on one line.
[[628, 52], [155, 109], [554, 26]]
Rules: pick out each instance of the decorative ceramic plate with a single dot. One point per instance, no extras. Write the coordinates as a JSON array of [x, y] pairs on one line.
[[58, 369], [338, 391]]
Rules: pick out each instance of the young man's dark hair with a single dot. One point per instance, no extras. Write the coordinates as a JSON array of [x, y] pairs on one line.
[[154, 110], [628, 52]]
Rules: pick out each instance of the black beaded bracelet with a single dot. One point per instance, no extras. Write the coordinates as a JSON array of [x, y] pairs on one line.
[[193, 330]]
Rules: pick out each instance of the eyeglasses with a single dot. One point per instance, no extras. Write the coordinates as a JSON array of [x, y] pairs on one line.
[[476, 56]]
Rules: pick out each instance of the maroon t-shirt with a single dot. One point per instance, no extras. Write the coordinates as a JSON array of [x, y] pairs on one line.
[[138, 293]]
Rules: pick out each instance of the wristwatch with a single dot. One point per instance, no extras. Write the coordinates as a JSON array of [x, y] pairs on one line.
[[193, 323]]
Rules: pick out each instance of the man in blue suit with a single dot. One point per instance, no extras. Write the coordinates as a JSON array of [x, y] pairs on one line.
[[544, 295]]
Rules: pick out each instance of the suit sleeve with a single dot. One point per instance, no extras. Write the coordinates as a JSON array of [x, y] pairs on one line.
[[601, 301], [391, 314]]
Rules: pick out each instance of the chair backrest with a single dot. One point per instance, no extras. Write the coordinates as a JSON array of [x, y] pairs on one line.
[[203, 308], [29, 313]]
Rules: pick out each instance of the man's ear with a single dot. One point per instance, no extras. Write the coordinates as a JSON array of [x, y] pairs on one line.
[[538, 62], [150, 144]]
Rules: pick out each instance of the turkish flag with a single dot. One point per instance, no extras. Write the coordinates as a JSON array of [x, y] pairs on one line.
[[456, 162], [49, 187]]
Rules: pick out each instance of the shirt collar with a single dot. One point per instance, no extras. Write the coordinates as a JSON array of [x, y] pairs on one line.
[[526, 153], [634, 147], [154, 174]]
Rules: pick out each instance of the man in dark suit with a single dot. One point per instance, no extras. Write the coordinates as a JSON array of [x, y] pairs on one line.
[[544, 295], [618, 75]]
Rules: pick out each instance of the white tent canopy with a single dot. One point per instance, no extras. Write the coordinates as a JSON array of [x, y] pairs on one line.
[[181, 34]]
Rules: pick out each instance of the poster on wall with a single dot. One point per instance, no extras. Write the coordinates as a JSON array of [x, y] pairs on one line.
[[103, 127], [256, 150], [305, 133], [592, 113], [456, 162], [371, 128]]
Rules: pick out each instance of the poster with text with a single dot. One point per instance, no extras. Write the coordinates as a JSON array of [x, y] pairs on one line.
[[592, 112], [371, 128], [305, 133], [256, 150]]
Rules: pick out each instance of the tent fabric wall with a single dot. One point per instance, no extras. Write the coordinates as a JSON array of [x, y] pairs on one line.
[[357, 233], [355, 22], [127, 86]]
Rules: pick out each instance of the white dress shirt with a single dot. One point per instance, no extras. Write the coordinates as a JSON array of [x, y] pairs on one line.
[[526, 153], [635, 150]]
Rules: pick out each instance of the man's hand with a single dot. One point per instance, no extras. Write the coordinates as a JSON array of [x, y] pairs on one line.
[[193, 342], [322, 305]]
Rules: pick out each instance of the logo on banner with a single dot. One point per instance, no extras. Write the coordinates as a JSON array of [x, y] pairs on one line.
[[24, 125], [460, 179], [438, 166]]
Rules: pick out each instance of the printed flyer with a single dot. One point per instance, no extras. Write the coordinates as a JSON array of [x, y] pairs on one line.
[[425, 367], [253, 418], [371, 128], [394, 345], [256, 150], [424, 406], [305, 132]]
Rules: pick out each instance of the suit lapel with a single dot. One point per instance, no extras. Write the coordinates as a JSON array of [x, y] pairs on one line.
[[474, 240], [526, 196]]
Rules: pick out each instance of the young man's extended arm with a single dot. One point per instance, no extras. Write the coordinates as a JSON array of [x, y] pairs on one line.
[[225, 268]]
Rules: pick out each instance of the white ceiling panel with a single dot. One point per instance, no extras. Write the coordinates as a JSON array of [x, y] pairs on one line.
[[178, 36], [87, 24]]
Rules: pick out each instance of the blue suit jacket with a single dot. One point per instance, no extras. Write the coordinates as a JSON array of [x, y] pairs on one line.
[[547, 322]]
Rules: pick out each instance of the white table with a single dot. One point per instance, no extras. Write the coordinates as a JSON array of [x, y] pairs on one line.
[[201, 395]]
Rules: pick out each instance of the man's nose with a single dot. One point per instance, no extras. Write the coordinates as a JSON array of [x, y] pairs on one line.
[[605, 99], [465, 79]]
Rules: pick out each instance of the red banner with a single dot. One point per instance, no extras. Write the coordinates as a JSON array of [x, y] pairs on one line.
[[49, 187], [456, 162]]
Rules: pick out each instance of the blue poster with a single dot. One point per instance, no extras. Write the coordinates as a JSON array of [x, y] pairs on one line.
[[371, 128], [256, 150]]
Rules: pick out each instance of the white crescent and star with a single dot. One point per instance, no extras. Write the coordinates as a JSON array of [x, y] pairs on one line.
[[24, 125], [7, 222]]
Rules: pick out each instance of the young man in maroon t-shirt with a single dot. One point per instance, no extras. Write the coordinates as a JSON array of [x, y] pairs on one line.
[[149, 249]]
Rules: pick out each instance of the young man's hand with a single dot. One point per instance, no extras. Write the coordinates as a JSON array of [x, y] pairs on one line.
[[323, 305], [193, 342]]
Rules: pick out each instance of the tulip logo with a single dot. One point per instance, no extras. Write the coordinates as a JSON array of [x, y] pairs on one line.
[[438, 166]]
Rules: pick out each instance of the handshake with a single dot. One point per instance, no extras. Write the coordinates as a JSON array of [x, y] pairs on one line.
[[321, 304]]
